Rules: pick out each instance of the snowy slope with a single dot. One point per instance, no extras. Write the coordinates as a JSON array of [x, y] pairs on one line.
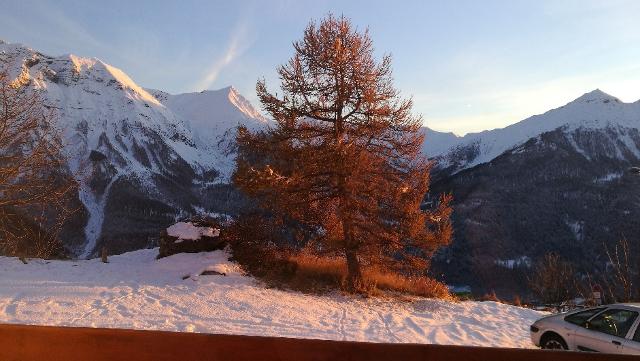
[[136, 291], [91, 97], [593, 110], [212, 111], [101, 110], [213, 115], [437, 143]]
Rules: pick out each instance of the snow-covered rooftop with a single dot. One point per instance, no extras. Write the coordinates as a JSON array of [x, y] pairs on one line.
[[189, 231]]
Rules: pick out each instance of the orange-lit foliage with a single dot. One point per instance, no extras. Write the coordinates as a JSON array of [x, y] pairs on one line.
[[316, 271]]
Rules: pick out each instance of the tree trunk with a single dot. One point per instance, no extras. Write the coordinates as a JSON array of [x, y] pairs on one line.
[[354, 276]]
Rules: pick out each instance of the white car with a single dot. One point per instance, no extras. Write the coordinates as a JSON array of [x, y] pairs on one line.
[[609, 329]]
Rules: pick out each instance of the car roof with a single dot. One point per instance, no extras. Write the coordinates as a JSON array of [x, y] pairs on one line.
[[629, 305], [625, 305]]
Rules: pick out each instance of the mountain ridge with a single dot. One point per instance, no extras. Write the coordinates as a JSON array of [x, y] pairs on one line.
[[138, 162], [592, 110], [145, 158]]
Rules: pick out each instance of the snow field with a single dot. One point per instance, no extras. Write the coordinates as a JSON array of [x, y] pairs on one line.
[[134, 290]]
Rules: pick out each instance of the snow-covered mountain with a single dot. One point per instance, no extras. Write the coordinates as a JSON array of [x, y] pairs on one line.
[[437, 143], [593, 110], [564, 181], [142, 157], [213, 116]]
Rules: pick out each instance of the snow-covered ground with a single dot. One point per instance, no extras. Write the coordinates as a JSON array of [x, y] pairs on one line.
[[135, 290]]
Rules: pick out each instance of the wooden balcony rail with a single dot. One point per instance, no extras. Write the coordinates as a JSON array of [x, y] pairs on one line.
[[45, 343]]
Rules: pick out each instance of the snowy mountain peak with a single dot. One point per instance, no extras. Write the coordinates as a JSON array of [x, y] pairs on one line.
[[81, 64], [596, 110], [228, 89], [244, 105], [212, 110], [213, 116], [597, 96], [209, 107], [436, 142]]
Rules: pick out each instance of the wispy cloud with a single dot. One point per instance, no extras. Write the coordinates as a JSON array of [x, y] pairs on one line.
[[236, 46], [66, 29]]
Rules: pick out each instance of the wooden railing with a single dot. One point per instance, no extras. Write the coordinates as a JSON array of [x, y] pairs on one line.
[[43, 343]]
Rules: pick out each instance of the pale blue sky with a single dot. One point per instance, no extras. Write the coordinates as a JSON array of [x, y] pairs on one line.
[[470, 65]]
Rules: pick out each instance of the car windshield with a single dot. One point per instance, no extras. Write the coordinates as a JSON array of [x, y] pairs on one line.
[[580, 318], [614, 322]]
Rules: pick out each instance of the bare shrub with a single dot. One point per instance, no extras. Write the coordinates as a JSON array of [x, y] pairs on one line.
[[517, 301], [491, 296], [414, 285], [317, 273], [619, 281], [553, 280], [35, 191], [253, 238], [104, 255]]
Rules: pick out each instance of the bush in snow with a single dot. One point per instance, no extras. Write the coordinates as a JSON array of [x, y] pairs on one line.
[[517, 301], [104, 255], [553, 280], [491, 296], [621, 275], [257, 245]]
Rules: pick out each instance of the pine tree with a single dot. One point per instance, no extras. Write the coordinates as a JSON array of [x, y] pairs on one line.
[[343, 160]]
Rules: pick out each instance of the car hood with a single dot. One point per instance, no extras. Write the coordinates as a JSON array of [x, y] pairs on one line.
[[553, 317]]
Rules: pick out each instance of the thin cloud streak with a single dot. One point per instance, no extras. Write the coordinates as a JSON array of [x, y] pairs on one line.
[[62, 29], [237, 45]]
